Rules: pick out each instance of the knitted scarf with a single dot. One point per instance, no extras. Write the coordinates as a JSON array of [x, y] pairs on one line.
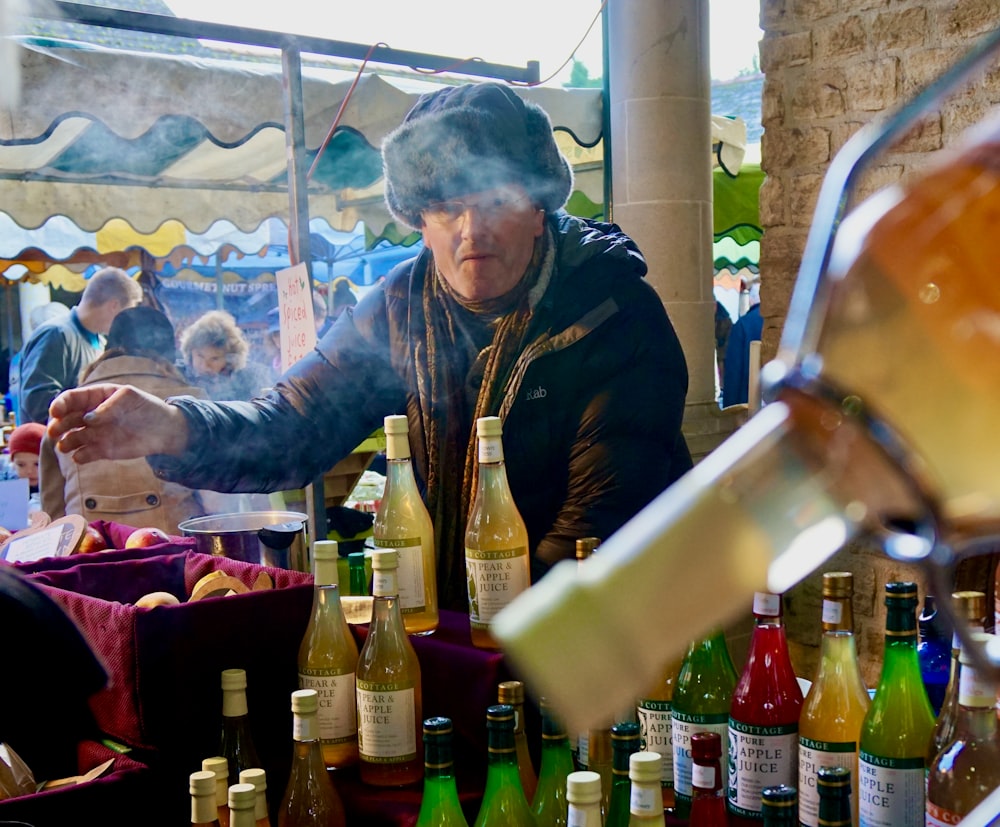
[[449, 438]]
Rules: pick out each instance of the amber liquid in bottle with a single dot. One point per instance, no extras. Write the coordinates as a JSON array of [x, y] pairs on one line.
[[496, 540], [512, 692], [653, 710], [257, 777], [402, 523]]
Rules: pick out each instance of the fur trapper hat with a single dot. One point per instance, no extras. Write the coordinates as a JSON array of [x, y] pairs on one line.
[[465, 139]]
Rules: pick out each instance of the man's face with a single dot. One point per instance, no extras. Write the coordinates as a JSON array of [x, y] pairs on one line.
[[208, 361], [482, 243]]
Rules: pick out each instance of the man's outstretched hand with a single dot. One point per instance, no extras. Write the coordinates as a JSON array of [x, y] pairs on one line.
[[115, 422]]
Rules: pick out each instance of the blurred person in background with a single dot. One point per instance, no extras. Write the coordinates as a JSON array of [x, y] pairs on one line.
[[39, 315], [215, 358]]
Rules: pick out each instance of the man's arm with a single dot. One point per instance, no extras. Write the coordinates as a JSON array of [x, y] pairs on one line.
[[43, 374]]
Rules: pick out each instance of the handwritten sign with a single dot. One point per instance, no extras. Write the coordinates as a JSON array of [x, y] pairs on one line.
[[295, 314], [14, 504]]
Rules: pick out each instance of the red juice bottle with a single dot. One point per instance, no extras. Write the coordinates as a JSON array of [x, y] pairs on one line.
[[763, 716]]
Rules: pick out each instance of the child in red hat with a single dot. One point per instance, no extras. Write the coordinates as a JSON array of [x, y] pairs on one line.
[[24, 447]]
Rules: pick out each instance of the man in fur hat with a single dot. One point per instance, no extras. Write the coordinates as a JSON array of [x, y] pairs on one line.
[[513, 309]]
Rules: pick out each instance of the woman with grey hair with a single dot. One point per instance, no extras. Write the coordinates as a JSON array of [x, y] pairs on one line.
[[215, 358]]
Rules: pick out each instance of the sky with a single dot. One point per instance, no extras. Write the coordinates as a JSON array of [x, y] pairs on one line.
[[493, 31]]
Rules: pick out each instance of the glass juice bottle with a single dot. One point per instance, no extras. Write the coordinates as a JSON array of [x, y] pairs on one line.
[[646, 801], [701, 702], [257, 777], [204, 809], [837, 702], [496, 540], [219, 767], [708, 795], [549, 801], [933, 652], [968, 768], [242, 805], [624, 741], [583, 797], [236, 741], [653, 710], [512, 692], [504, 804], [328, 661], [439, 806], [764, 715], [402, 523], [389, 691], [833, 785], [896, 733]]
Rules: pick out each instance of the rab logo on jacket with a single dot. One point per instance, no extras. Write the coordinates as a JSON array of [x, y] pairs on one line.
[[537, 393]]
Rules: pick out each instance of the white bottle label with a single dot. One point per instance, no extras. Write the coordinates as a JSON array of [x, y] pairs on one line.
[[583, 749], [495, 579], [759, 757], [409, 573], [767, 604], [656, 732], [386, 723], [833, 612], [891, 791], [583, 816], [940, 817], [683, 727], [645, 799], [812, 756], [338, 709], [973, 690], [702, 777]]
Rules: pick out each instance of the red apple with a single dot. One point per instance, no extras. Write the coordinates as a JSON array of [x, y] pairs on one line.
[[91, 541], [142, 537]]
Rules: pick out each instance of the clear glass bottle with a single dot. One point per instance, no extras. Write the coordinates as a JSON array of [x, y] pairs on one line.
[[896, 734], [328, 661], [764, 715], [310, 798], [968, 768], [646, 800], [834, 787], [219, 767], [236, 741], [204, 808], [549, 800], [504, 804], [653, 710], [439, 806], [242, 802], [512, 692], [583, 799], [837, 702], [257, 777], [779, 806], [389, 691], [625, 740], [402, 523], [971, 607], [702, 697], [933, 652], [497, 563], [708, 795]]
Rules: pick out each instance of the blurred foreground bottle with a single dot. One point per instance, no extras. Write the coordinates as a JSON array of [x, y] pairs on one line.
[[328, 660], [971, 607], [236, 742], [439, 806], [504, 804], [702, 697], [779, 806], [549, 801], [968, 768], [624, 741], [585, 547], [646, 800], [204, 809], [653, 710], [258, 778], [496, 540], [219, 767], [896, 734], [708, 793], [242, 805], [764, 715], [310, 799], [512, 692], [402, 523], [933, 652], [833, 785], [583, 797], [390, 698], [837, 702]]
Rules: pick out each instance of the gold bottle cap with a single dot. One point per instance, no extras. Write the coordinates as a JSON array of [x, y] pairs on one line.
[[385, 559], [585, 546], [326, 550], [970, 605], [255, 776], [489, 426], [242, 797], [202, 782], [305, 701], [645, 767], [396, 424], [217, 765], [838, 584], [234, 679], [510, 692]]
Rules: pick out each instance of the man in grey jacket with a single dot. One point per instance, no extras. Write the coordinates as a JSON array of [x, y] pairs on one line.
[[514, 309]]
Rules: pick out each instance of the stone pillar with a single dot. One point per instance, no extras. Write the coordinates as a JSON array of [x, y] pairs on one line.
[[660, 108]]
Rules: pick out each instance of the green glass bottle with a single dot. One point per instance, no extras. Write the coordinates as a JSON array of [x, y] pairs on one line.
[[779, 806], [549, 804], [357, 568], [896, 733], [439, 806], [625, 739], [701, 702], [504, 804]]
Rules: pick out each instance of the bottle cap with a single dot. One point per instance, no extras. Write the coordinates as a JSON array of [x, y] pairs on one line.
[[217, 765], [202, 782], [437, 726], [510, 692], [645, 766], [255, 776], [901, 591], [234, 679], [970, 605], [624, 731], [305, 701], [833, 778], [242, 797], [326, 550], [356, 559], [585, 546], [500, 716], [838, 584], [385, 559], [706, 746], [779, 797], [583, 787], [489, 426], [396, 424]]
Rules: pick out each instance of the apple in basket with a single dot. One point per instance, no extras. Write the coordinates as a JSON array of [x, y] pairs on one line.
[[142, 537], [91, 541]]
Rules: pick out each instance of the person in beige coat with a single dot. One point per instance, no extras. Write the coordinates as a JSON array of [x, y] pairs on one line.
[[140, 352]]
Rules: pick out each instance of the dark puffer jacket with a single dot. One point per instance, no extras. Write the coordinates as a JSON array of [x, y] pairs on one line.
[[592, 414]]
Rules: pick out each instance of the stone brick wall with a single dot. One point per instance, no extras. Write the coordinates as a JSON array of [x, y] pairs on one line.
[[830, 67]]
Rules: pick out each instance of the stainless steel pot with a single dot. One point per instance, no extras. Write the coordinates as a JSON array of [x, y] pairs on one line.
[[271, 538]]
